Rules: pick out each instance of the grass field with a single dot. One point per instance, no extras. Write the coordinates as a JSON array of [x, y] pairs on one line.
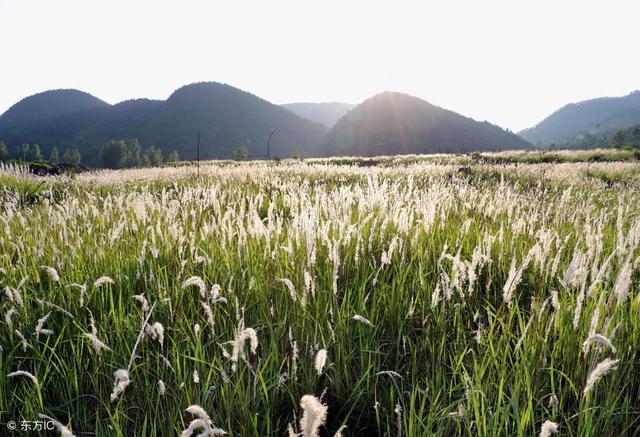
[[406, 297]]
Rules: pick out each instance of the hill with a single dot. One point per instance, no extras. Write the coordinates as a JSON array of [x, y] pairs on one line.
[[49, 105], [395, 123], [593, 117], [226, 117], [48, 118], [326, 114]]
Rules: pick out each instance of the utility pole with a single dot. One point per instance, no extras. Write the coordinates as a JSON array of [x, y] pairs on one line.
[[269, 145], [198, 154]]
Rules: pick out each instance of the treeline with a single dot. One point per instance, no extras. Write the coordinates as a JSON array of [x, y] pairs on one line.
[[625, 138], [129, 154], [113, 154], [32, 153]]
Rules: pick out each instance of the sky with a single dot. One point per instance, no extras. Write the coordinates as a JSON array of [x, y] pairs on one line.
[[511, 62]]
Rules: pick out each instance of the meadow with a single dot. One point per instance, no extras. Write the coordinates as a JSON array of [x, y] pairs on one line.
[[444, 295]]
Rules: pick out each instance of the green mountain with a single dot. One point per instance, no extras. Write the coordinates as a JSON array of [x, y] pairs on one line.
[[569, 124], [394, 123], [50, 105], [326, 114], [226, 117]]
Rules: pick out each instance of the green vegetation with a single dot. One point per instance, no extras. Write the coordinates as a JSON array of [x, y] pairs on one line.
[[628, 138], [173, 157], [4, 151], [127, 154], [54, 156], [72, 155], [586, 124], [224, 115], [241, 153], [480, 302]]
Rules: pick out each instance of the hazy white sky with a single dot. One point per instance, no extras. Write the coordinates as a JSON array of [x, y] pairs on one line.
[[510, 62]]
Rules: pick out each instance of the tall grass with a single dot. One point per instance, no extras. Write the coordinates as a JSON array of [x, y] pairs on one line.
[[408, 300]]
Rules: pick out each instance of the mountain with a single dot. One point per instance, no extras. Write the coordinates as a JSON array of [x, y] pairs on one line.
[[326, 114], [595, 116], [395, 123], [51, 104], [37, 119], [226, 117]]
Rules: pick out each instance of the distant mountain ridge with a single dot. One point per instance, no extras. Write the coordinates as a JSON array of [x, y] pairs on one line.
[[326, 114], [595, 116], [227, 118], [394, 123]]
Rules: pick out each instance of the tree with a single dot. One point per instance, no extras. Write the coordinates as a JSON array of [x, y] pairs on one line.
[[636, 135], [152, 156], [132, 154], [173, 156], [241, 153], [34, 153], [618, 138], [22, 152], [4, 152], [112, 154], [54, 156], [296, 154], [72, 156]]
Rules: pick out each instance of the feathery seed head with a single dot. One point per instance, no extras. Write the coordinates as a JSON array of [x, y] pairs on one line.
[[321, 359]]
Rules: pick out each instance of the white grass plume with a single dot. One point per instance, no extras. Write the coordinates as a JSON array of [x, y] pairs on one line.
[[238, 350], [53, 273], [121, 382], [548, 428], [313, 416], [209, 314], [398, 411], [13, 294], [23, 339], [144, 303], [83, 291], [290, 287], [140, 335], [361, 319], [203, 421], [63, 430], [389, 373], [623, 282], [514, 278], [155, 331], [25, 374], [167, 363], [321, 359], [103, 280], [198, 282], [601, 369], [97, 344], [40, 329], [55, 307], [214, 294], [8, 316], [599, 339]]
